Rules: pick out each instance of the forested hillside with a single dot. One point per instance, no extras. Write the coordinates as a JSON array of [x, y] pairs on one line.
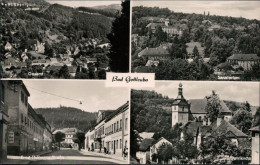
[[64, 117], [150, 112], [58, 20]]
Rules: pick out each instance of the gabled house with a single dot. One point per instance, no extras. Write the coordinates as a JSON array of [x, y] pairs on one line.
[[8, 46], [156, 144], [35, 45], [244, 60], [144, 150]]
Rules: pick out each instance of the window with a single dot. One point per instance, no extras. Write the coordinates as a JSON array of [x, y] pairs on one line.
[[114, 127], [2, 93], [182, 108], [120, 123], [26, 101], [22, 118], [174, 107], [120, 143], [22, 97], [117, 125], [25, 119]]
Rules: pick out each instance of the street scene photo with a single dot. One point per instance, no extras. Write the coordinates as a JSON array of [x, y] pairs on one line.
[[48, 39], [63, 122], [196, 40], [195, 122]]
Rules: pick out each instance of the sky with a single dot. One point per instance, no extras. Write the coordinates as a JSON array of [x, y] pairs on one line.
[[84, 3], [93, 94], [233, 91], [245, 9]]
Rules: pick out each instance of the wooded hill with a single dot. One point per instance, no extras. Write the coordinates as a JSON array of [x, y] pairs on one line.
[[64, 117], [57, 19]]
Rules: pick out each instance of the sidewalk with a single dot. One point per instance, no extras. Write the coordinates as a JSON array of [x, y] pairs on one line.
[[23, 159], [111, 156]]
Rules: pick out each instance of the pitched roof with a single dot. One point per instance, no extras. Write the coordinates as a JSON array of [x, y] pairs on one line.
[[154, 25], [255, 129], [145, 135], [156, 141], [154, 51], [145, 144], [122, 108], [228, 129], [198, 106], [245, 57], [192, 127], [8, 44]]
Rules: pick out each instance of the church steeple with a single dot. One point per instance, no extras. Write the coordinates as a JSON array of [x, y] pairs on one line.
[[180, 95]]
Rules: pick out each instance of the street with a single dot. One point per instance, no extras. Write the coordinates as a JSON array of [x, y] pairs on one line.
[[66, 156], [71, 156]]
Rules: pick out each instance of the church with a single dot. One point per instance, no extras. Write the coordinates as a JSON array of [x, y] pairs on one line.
[[184, 110]]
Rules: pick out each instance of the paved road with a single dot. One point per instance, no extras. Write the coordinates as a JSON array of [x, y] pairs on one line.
[[71, 157]]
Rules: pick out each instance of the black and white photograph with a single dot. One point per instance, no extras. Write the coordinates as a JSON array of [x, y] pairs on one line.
[[196, 40], [61, 39], [195, 123], [64, 122]]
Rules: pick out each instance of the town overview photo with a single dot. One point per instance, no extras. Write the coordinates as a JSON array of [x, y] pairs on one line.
[[196, 40], [50, 39], [55, 122], [173, 123]]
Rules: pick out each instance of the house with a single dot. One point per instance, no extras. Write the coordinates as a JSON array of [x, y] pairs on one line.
[[184, 110], [159, 53], [35, 45], [8, 46], [4, 120], [111, 131], [8, 55], [24, 57], [25, 134], [203, 130], [255, 144], [42, 62], [244, 60], [105, 45], [156, 144], [143, 154]]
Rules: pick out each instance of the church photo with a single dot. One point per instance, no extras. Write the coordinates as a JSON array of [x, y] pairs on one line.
[[195, 122]]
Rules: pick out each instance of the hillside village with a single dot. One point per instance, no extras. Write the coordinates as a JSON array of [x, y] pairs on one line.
[[188, 131], [209, 46], [41, 40]]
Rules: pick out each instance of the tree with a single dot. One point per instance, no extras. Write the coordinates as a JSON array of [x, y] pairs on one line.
[[119, 40], [59, 137], [243, 120], [64, 72], [213, 106], [80, 137], [195, 52], [102, 74], [164, 153]]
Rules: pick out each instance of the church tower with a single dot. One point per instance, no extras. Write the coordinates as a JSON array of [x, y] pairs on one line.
[[180, 108]]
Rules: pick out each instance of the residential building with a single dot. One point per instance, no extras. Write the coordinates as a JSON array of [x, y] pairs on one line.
[[244, 60], [70, 134], [35, 45], [203, 130], [4, 120], [8, 46], [255, 145], [156, 144], [25, 128], [143, 154], [159, 53], [111, 132]]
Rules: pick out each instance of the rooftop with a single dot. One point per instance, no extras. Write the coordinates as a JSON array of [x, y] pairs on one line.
[[245, 57], [153, 51], [145, 144]]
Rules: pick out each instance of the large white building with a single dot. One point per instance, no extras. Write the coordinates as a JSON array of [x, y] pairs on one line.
[[111, 133]]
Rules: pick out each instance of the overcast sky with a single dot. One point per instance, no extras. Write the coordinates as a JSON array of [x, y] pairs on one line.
[[84, 3], [245, 9], [234, 91], [93, 94]]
